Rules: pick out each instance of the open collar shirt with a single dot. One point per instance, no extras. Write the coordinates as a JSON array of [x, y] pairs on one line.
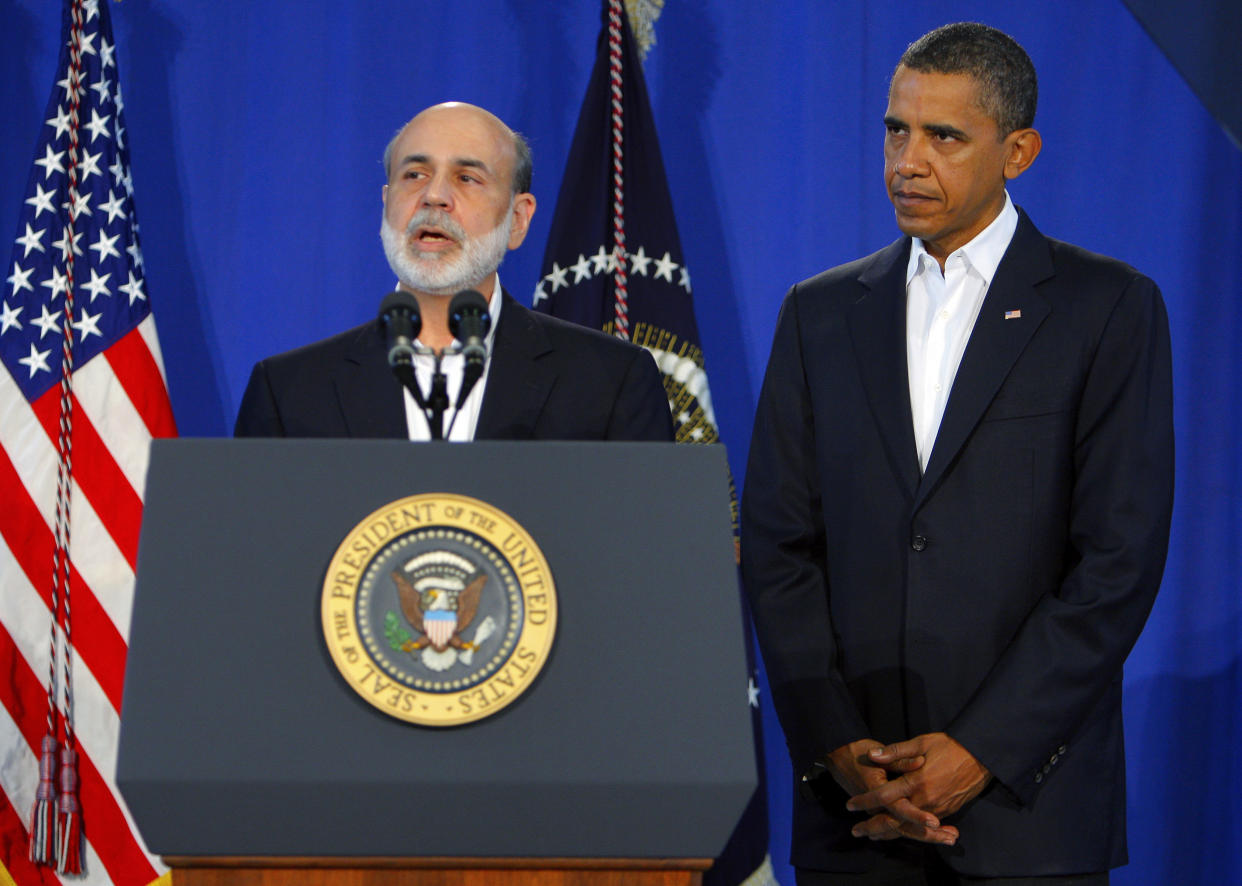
[[941, 309]]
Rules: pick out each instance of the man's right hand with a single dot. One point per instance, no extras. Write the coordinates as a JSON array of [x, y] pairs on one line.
[[853, 769]]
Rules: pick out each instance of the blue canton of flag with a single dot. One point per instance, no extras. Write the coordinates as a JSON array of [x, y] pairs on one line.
[[109, 292]]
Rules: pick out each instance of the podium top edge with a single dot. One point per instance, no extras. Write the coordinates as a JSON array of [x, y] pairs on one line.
[[438, 863]]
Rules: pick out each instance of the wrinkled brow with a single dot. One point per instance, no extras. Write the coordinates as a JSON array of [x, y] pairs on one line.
[[467, 162]]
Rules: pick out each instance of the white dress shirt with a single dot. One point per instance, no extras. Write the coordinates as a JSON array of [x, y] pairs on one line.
[[460, 427], [941, 309]]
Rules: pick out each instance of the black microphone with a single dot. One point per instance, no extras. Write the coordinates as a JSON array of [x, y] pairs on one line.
[[402, 322], [469, 321]]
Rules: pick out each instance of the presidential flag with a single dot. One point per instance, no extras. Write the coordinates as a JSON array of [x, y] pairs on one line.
[[614, 262], [82, 393]]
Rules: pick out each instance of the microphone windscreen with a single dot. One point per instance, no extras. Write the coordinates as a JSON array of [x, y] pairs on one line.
[[402, 322], [468, 302], [399, 299]]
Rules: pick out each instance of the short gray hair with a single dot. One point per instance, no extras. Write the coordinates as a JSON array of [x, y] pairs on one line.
[[1008, 87]]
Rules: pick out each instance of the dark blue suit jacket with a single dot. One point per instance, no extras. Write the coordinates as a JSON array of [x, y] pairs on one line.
[[548, 380], [995, 596]]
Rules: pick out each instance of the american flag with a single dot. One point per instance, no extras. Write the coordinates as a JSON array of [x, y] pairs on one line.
[[75, 260]]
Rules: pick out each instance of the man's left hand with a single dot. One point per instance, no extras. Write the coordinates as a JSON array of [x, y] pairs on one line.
[[949, 778]]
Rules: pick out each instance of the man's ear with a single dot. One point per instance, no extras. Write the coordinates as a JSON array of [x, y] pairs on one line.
[[523, 209], [1024, 145]]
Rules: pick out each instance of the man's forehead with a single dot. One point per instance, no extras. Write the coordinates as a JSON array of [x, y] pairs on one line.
[[934, 92], [460, 138]]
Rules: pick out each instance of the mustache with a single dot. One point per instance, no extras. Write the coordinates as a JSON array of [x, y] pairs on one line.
[[435, 218]]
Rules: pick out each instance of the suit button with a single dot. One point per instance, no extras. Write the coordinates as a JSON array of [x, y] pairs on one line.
[[919, 542], [1061, 749], [1054, 759], [1039, 776]]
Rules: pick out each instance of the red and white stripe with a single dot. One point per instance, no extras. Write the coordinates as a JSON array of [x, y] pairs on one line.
[[120, 403]]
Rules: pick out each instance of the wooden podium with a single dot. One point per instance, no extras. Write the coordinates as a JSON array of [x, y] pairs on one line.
[[436, 871], [245, 758]]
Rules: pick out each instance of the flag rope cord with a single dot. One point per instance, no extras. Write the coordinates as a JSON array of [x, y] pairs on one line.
[[55, 826], [621, 307]]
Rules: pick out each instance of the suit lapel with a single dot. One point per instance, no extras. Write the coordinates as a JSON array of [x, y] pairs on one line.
[[994, 346], [369, 396], [877, 325], [518, 383]]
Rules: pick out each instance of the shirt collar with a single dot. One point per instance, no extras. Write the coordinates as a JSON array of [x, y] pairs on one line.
[[983, 253], [493, 310]]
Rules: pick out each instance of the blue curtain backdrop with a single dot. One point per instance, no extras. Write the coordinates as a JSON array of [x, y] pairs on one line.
[[256, 130]]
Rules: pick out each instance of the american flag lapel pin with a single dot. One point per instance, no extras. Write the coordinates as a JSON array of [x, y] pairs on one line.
[[1013, 315]]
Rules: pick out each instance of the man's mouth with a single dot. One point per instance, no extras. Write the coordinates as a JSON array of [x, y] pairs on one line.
[[430, 240], [432, 235], [911, 201]]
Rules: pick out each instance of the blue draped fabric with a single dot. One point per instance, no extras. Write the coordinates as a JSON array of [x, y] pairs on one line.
[[256, 130]]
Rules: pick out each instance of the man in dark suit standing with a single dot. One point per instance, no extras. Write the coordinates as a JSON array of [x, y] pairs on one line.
[[457, 198], [956, 511]]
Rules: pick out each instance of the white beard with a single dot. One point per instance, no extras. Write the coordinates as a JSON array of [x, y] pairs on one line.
[[438, 274]]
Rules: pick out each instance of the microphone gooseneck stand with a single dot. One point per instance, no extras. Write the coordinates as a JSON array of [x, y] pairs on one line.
[[469, 322], [434, 403]]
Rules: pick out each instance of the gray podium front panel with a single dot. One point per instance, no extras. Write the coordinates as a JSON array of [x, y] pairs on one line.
[[240, 738]]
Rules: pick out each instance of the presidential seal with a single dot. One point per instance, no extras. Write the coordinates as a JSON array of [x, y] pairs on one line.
[[439, 609]]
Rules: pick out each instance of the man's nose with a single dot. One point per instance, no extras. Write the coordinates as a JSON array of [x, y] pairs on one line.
[[438, 192], [911, 160]]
